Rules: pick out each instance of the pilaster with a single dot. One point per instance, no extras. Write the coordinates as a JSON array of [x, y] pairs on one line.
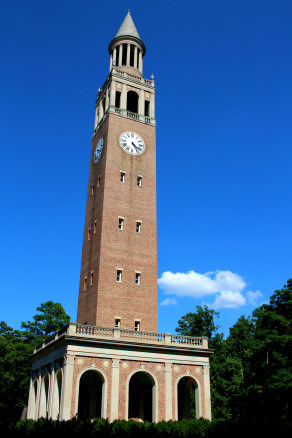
[[168, 391], [115, 389], [67, 386]]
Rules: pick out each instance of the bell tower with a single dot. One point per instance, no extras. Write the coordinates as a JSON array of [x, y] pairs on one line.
[[118, 279]]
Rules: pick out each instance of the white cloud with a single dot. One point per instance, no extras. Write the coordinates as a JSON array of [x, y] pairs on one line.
[[168, 302], [193, 284], [228, 300], [252, 297], [225, 285]]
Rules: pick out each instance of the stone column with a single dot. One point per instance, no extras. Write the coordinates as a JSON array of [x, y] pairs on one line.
[[95, 118], [51, 391], [207, 392], [31, 401], [152, 106], [115, 56], [115, 389], [106, 99], [128, 54], [140, 62], [168, 391], [39, 387], [111, 62], [141, 104], [67, 386], [120, 54], [136, 57], [124, 99]]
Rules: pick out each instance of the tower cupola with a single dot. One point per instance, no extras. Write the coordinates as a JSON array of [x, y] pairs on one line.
[[127, 49]]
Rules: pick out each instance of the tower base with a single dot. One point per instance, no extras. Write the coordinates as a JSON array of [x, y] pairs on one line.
[[89, 372]]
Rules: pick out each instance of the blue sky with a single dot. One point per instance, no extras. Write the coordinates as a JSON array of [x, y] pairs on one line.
[[224, 109]]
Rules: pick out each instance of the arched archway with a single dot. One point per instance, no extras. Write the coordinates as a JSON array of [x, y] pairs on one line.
[[91, 388], [57, 396], [132, 101], [141, 402], [44, 402], [187, 398]]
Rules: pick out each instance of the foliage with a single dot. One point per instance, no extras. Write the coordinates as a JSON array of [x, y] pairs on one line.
[[251, 372], [101, 428], [51, 319], [16, 347]]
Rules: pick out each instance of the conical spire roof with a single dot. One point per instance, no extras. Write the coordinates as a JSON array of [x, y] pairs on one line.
[[128, 28]]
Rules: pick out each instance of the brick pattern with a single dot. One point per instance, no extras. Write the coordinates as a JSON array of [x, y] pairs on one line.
[[112, 248], [126, 369]]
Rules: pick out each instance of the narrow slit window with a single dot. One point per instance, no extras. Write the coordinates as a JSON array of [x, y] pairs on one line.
[[95, 226], [103, 105], [137, 278], [121, 223], [118, 99], [137, 326], [98, 181], [139, 181], [124, 55], [122, 176], [132, 48], [85, 283], [119, 276], [92, 189], [146, 108], [138, 227], [91, 278], [89, 233], [117, 323]]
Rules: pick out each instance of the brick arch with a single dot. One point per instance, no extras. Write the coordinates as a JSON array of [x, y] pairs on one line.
[[104, 389], [154, 392], [198, 395]]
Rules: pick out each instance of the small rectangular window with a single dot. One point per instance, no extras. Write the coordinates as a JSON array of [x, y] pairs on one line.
[[85, 283], [139, 181], [119, 276], [137, 278], [122, 176], [118, 99], [137, 326], [121, 223], [138, 227], [146, 108], [94, 226], [91, 278], [117, 323], [89, 233]]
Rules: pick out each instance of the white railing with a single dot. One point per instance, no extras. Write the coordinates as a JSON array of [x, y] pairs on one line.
[[123, 335]]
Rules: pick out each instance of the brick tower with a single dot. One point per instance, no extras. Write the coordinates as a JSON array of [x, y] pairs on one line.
[[118, 284], [112, 363]]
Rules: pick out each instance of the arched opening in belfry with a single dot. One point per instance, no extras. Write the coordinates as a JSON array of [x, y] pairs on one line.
[[187, 399], [132, 101], [141, 397], [90, 403]]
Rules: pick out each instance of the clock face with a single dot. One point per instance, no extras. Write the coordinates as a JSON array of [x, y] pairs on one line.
[[132, 143], [98, 150]]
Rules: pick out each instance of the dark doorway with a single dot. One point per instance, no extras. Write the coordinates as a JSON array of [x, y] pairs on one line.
[[186, 398], [132, 101], [90, 395], [141, 389]]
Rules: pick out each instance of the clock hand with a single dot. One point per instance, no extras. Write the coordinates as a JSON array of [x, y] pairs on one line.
[[134, 145]]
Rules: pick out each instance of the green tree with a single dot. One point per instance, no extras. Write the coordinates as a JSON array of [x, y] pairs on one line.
[[16, 347], [199, 323], [52, 317]]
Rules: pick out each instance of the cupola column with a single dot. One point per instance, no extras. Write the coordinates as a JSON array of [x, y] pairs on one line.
[[136, 57], [115, 56], [128, 54], [140, 62], [120, 53]]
